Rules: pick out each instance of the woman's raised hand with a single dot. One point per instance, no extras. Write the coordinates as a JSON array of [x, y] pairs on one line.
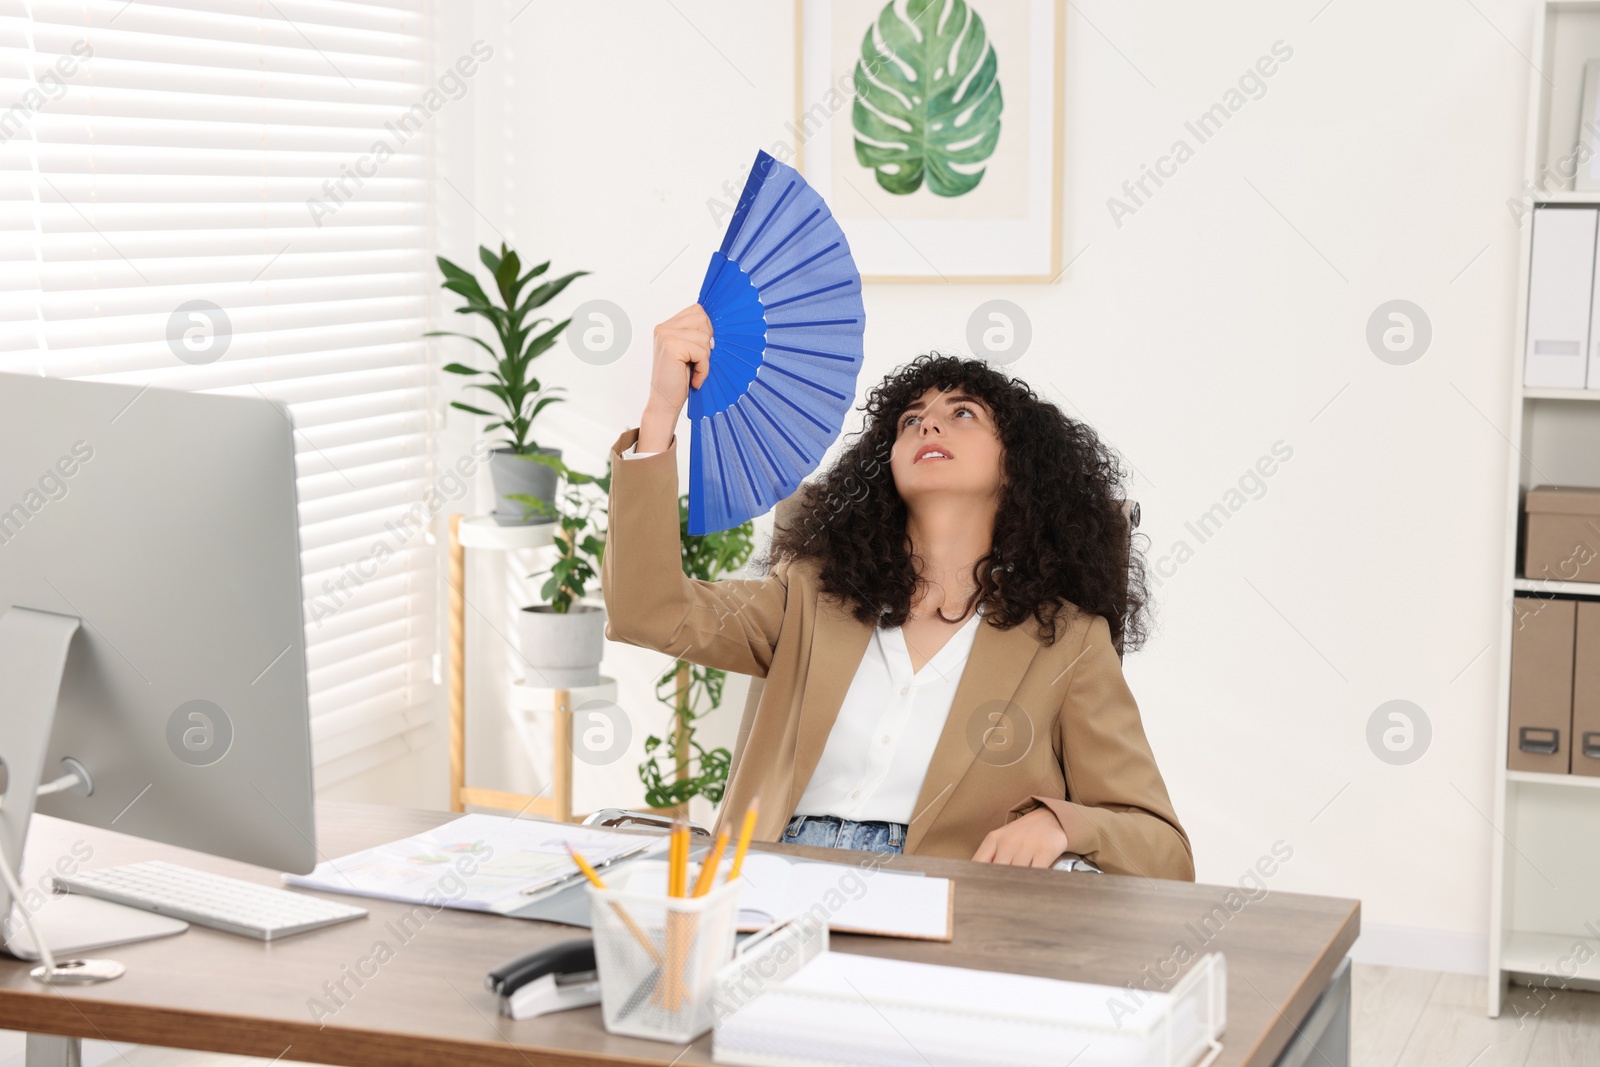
[[682, 358]]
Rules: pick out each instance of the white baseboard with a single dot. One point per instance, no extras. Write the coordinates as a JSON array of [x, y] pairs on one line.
[[1452, 951]]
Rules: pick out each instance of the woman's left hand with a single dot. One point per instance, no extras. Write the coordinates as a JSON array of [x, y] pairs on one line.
[[1032, 840]]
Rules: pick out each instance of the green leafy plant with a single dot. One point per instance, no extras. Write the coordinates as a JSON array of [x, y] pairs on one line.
[[927, 99], [676, 766], [581, 511], [521, 342]]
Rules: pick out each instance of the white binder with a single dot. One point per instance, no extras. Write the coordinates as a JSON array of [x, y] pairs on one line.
[[1593, 349], [1560, 296]]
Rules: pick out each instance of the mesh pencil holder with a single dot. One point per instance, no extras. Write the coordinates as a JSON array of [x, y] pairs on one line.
[[658, 955]]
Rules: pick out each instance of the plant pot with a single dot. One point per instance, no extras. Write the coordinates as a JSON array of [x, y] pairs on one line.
[[516, 475], [564, 650]]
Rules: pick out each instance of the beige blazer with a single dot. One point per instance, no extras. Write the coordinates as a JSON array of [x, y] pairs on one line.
[[1030, 724]]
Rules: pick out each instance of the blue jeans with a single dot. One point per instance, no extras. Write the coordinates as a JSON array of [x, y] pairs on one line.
[[830, 831]]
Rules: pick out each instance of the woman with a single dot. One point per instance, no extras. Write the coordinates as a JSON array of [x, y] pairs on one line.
[[938, 629]]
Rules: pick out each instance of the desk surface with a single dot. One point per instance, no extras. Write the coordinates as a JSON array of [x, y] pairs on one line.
[[427, 1003]]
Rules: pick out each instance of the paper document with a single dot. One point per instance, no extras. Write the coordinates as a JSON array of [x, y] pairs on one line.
[[476, 863], [854, 900]]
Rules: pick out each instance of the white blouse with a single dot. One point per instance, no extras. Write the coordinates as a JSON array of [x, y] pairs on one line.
[[878, 751]]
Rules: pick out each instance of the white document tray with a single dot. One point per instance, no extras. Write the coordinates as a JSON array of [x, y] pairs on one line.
[[862, 1011]]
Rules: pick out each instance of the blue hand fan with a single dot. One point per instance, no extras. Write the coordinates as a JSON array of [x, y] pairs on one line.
[[784, 298]]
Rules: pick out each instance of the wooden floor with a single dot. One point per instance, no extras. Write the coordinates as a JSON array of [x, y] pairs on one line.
[[1400, 1018], [1406, 1018]]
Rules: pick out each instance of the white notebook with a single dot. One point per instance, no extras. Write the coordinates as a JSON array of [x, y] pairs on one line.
[[853, 899]]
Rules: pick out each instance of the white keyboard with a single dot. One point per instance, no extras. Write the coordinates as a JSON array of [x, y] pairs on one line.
[[228, 904]]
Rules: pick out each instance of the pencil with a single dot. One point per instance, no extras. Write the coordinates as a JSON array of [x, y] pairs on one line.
[[708, 866], [688, 924], [745, 831], [677, 882], [616, 906], [672, 858], [676, 858], [583, 865]]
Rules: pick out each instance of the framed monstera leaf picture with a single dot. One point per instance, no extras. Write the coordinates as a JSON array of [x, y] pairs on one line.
[[933, 129]]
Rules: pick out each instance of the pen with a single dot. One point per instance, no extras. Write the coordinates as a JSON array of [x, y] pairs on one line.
[[551, 883]]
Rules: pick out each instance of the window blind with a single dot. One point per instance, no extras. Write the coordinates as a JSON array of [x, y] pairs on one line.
[[229, 195]]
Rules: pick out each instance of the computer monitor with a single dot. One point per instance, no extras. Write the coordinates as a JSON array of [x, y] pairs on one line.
[[150, 584]]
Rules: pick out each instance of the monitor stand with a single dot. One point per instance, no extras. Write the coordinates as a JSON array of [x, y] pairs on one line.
[[33, 658], [70, 924]]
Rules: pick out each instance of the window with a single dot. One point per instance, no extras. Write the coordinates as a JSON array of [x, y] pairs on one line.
[[230, 196]]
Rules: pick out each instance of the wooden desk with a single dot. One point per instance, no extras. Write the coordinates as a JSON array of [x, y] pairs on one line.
[[428, 1005]]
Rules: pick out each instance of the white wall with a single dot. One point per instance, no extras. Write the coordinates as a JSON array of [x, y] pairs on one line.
[[1226, 314]]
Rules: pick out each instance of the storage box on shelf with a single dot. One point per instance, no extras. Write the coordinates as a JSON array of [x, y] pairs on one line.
[[1561, 534]]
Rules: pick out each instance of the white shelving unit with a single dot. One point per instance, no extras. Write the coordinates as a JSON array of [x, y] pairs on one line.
[[1564, 394], [1566, 781], [1548, 585], [1545, 893]]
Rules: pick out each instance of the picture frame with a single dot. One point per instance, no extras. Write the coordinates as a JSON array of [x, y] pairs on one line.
[[996, 218]]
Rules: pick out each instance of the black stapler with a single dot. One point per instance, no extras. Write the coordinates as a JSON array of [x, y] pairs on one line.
[[554, 978]]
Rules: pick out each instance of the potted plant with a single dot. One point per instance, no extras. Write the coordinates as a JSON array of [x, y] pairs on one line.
[[520, 396], [563, 639], [677, 767]]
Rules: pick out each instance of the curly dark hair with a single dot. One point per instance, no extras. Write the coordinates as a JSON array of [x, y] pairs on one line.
[[1061, 538]]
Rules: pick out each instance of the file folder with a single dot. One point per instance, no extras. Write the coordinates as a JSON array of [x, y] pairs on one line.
[[1586, 691], [1542, 639], [1560, 298]]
